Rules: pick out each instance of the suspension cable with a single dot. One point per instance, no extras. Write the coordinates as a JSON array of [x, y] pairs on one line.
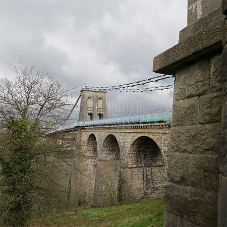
[[73, 108], [128, 87], [131, 84]]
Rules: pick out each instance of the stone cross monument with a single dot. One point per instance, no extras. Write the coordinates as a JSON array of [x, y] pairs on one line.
[[196, 192]]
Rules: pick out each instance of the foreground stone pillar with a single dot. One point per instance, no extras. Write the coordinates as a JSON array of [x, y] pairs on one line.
[[191, 195], [222, 197]]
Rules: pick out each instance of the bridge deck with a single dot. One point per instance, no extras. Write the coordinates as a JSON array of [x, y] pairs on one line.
[[159, 116], [143, 118]]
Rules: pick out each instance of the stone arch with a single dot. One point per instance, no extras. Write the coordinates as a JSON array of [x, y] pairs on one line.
[[157, 139], [107, 173], [92, 145], [146, 152], [146, 178], [111, 149]]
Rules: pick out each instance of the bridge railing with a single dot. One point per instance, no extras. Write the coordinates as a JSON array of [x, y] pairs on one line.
[[157, 116]]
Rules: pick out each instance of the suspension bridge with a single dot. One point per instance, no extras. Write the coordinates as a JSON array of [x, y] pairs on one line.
[[138, 102], [130, 139], [123, 129]]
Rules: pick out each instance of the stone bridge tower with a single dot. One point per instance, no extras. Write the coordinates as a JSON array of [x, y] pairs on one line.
[[93, 105], [196, 192]]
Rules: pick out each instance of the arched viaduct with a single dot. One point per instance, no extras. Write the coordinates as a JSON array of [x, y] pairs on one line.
[[121, 163]]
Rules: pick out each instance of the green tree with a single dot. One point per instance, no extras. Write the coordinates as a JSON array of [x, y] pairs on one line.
[[30, 107], [17, 173]]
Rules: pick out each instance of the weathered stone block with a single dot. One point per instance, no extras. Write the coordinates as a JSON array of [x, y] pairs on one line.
[[179, 93], [192, 80], [179, 85], [223, 153], [198, 72], [203, 172], [187, 112], [215, 75], [199, 8], [210, 107], [201, 24], [200, 171], [224, 111], [173, 220], [178, 168], [196, 205], [224, 39], [224, 64], [190, 50], [222, 201], [200, 139]]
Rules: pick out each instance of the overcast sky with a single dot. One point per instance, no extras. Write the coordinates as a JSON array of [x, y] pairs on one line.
[[94, 42]]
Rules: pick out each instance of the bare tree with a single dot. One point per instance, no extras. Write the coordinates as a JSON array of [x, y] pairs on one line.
[[45, 99], [29, 107]]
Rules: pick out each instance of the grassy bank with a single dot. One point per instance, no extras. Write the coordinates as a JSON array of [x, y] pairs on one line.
[[134, 215]]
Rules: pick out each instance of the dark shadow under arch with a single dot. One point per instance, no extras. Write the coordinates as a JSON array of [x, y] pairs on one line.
[[146, 151], [111, 147], [92, 145], [146, 175]]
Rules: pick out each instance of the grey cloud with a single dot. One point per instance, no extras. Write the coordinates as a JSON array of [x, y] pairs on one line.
[[96, 42]]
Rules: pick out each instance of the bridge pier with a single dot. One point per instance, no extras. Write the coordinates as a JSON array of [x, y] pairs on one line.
[[193, 187]]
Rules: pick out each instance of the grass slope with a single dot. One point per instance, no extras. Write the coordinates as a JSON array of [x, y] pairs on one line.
[[141, 214]]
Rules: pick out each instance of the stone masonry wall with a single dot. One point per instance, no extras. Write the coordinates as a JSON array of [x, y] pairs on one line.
[[98, 177], [106, 183], [193, 187], [200, 8], [222, 209], [134, 185], [94, 96], [193, 167]]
